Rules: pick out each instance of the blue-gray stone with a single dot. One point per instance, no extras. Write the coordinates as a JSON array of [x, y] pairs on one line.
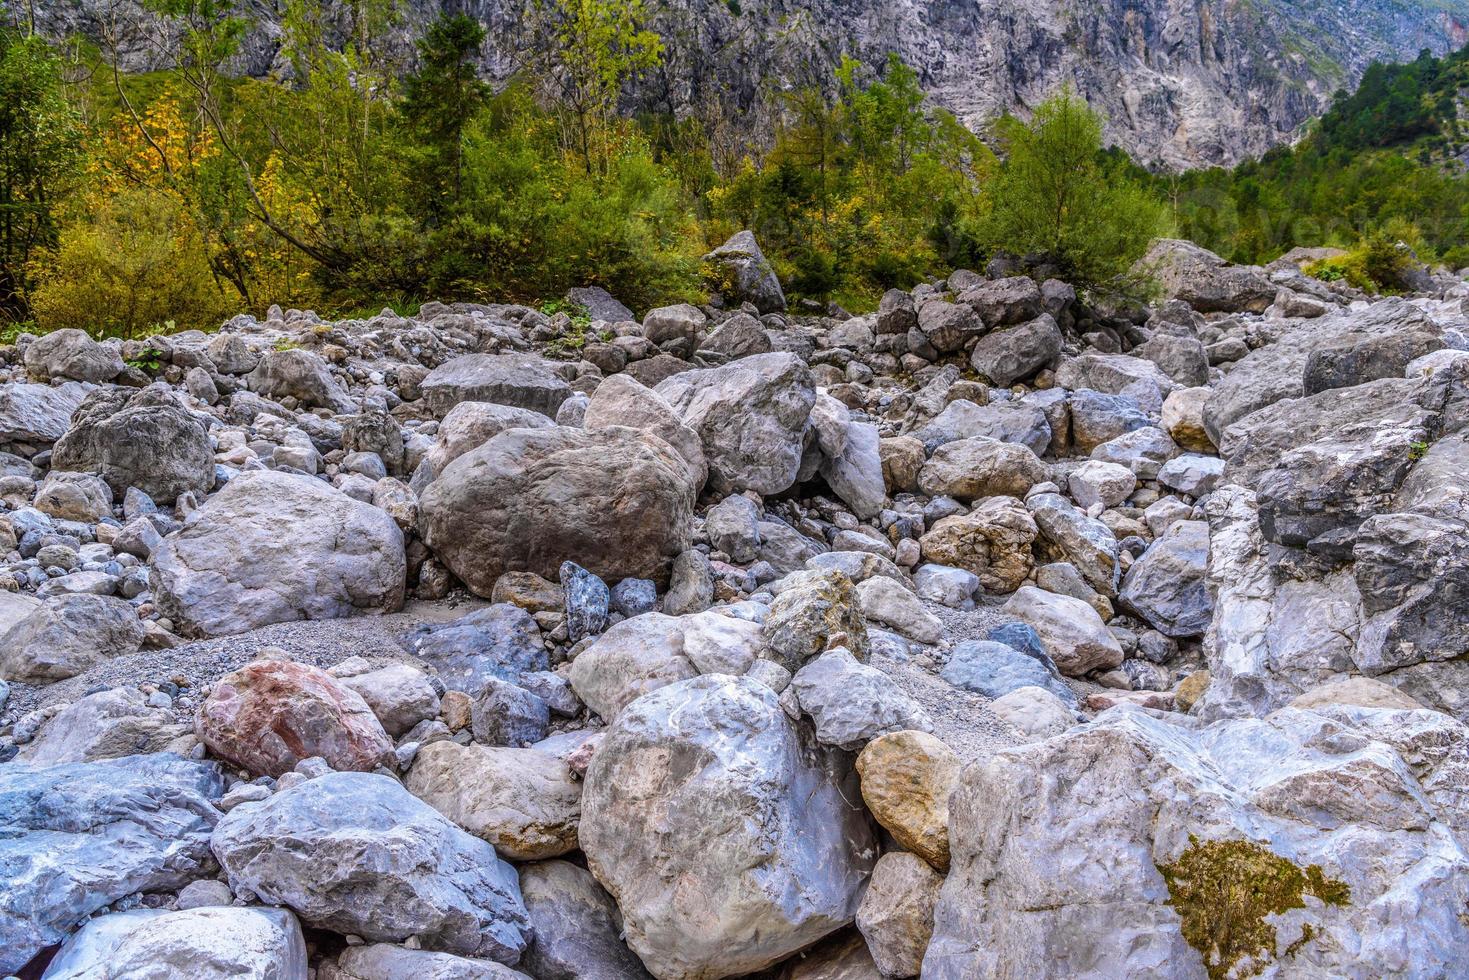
[[995, 669], [634, 596], [585, 598], [498, 641], [76, 838]]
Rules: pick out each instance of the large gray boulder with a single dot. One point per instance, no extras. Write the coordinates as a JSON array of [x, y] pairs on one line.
[[851, 703], [518, 380], [760, 845], [1307, 843], [79, 837], [616, 501], [751, 415], [1166, 585], [65, 635], [383, 961], [356, 853], [107, 724], [146, 441], [1205, 281], [37, 415], [272, 548], [1015, 353], [577, 925], [622, 400], [302, 375], [741, 273], [201, 944], [1025, 425], [469, 425], [71, 354]]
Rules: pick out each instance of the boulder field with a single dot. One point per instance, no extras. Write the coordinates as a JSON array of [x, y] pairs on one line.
[[993, 633]]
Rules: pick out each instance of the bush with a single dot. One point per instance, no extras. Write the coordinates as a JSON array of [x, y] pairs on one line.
[[134, 264]]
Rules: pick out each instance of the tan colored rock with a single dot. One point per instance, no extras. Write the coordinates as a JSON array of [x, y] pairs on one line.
[[992, 541], [528, 591], [815, 611], [896, 914], [1183, 419], [523, 801], [270, 714], [968, 469], [902, 459], [456, 710], [906, 781], [1363, 692], [1190, 689]]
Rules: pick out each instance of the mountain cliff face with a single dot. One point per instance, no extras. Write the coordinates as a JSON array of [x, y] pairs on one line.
[[1182, 83]]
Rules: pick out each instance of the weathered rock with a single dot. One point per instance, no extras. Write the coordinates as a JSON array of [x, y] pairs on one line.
[[690, 584], [471, 424], [271, 714], [507, 714], [71, 354], [518, 380], [968, 469], [1014, 354], [739, 336], [299, 374], [1183, 419], [992, 542], [1204, 281], [1005, 421], [815, 609], [1066, 534], [1120, 838], [621, 400], [1033, 711], [616, 501], [380, 961], [733, 781], [1097, 418], [885, 600], [356, 853], [106, 725], [37, 415], [64, 636], [948, 326], [148, 442], [751, 415], [74, 497], [599, 304], [399, 696], [585, 599], [851, 703], [896, 914], [272, 548], [498, 641], [733, 527], [201, 944], [741, 273], [1002, 302], [906, 781], [855, 472], [80, 837], [1167, 587], [523, 801], [1073, 634], [995, 669], [578, 927]]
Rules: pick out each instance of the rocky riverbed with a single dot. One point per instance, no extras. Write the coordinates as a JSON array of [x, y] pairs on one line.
[[994, 633]]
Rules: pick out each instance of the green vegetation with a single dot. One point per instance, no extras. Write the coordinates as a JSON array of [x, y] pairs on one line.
[[1382, 163], [360, 179], [1223, 890]]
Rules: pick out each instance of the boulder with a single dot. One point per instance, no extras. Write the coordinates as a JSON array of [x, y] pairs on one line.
[[851, 703], [887, 601], [517, 380], [37, 415], [993, 542], [1073, 634], [948, 326], [995, 669], [355, 853], [469, 425], [681, 322], [201, 944], [1203, 280], [763, 828], [751, 416], [815, 610], [302, 375], [108, 724], [71, 354], [147, 441], [399, 696], [906, 781], [1166, 586], [79, 837], [614, 500], [498, 641], [599, 304], [271, 714], [739, 336], [968, 469], [577, 925], [523, 801], [1016, 353], [1035, 712], [65, 635], [74, 497], [381, 961], [1005, 421], [1001, 302], [896, 914], [621, 400], [1331, 835], [740, 272], [271, 548]]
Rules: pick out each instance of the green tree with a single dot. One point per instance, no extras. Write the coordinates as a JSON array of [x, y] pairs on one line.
[[440, 99], [39, 155], [594, 47], [1056, 196]]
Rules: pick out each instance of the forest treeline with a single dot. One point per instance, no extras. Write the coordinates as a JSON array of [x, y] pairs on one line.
[[358, 178]]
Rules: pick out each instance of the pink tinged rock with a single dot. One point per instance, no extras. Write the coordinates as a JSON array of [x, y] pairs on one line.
[[269, 715]]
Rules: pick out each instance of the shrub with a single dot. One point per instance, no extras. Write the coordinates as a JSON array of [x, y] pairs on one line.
[[135, 263]]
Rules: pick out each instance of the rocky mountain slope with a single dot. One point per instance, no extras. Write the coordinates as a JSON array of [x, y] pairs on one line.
[[990, 634], [1183, 82]]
